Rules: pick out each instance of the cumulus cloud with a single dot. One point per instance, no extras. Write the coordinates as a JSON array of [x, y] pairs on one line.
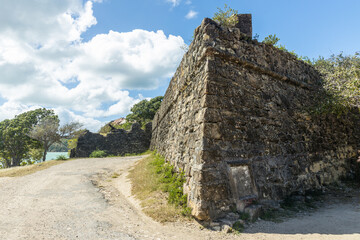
[[44, 62], [136, 59], [191, 14]]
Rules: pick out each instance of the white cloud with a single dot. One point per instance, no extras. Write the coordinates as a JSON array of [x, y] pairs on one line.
[[41, 52], [174, 2], [66, 115], [137, 59], [191, 14], [10, 109]]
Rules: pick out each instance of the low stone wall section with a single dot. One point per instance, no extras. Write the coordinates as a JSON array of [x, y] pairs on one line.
[[115, 143]]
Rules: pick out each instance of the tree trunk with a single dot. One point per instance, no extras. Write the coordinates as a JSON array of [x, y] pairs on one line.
[[45, 152], [15, 162], [6, 163]]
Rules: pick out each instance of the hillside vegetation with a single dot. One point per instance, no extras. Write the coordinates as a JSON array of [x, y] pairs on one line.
[[142, 112]]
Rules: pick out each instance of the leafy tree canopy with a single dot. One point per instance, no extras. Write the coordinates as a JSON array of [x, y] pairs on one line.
[[22, 136], [15, 141], [144, 111], [46, 132], [341, 75], [341, 79]]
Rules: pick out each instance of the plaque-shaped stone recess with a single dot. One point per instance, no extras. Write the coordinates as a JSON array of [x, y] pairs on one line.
[[241, 185]]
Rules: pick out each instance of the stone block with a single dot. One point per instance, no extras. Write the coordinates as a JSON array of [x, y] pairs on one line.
[[254, 212], [245, 24]]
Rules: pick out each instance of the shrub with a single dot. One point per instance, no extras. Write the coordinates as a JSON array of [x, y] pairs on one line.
[[226, 17], [61, 157], [271, 40], [27, 162], [341, 81], [238, 226], [98, 154]]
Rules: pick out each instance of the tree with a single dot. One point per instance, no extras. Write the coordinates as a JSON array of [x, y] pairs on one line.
[[71, 130], [341, 81], [227, 17], [15, 141], [46, 132], [144, 111], [31, 130]]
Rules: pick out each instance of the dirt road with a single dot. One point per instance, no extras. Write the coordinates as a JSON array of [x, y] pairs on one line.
[[63, 203]]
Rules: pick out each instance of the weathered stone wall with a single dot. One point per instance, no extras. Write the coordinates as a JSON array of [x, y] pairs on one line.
[[244, 24], [235, 118], [118, 142]]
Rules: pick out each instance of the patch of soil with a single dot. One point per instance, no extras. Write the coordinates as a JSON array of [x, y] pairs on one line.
[[331, 214]]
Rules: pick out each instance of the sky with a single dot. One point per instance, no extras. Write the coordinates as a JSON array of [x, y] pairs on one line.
[[92, 60]]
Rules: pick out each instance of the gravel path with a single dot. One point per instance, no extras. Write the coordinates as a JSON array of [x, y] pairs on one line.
[[80, 200]]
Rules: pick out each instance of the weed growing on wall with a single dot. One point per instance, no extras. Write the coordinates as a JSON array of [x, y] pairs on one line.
[[226, 16]]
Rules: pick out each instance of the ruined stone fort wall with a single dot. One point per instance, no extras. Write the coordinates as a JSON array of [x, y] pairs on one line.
[[235, 118], [115, 143]]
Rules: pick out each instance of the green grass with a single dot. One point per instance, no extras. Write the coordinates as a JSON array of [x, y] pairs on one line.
[[103, 154], [98, 154], [137, 154], [115, 175], [159, 188], [238, 227], [61, 157], [244, 216]]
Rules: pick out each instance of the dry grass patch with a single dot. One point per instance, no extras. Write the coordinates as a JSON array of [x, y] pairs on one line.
[[28, 169], [148, 186]]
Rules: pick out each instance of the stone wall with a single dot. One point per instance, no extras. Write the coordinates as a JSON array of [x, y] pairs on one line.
[[115, 143], [236, 119]]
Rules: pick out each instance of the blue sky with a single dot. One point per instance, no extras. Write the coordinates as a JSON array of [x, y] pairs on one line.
[[91, 60], [310, 27]]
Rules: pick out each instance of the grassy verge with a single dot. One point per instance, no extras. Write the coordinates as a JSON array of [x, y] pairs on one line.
[[159, 189], [137, 154], [103, 154], [28, 169]]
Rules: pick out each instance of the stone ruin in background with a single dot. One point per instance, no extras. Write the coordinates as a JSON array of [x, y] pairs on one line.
[[235, 119], [117, 142]]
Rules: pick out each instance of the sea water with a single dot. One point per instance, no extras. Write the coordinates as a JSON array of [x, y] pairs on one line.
[[54, 155]]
